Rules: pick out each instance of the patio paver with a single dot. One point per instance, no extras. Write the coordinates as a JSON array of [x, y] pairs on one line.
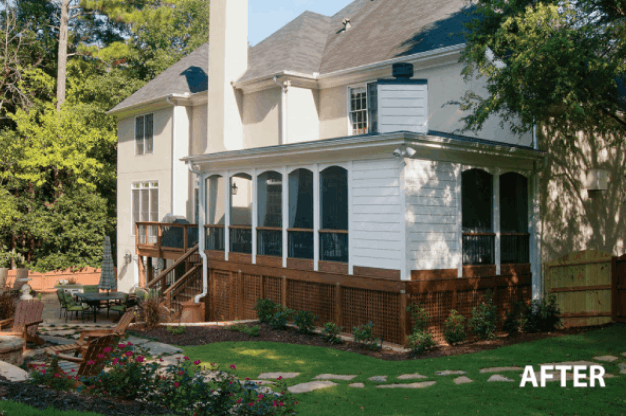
[[450, 372], [357, 385], [622, 368], [333, 377], [157, 349], [606, 358], [498, 377], [12, 372], [419, 385], [276, 375], [378, 379], [499, 369], [310, 386], [462, 380], [410, 376]]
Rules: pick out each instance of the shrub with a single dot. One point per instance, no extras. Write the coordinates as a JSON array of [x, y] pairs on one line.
[[305, 321], [150, 306], [331, 333], [52, 376], [512, 321], [419, 316], [484, 320], [364, 335], [419, 342], [454, 328], [127, 375], [280, 318], [249, 330], [541, 316], [177, 330], [265, 309]]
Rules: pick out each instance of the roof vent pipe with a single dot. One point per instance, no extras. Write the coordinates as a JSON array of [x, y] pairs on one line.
[[346, 24]]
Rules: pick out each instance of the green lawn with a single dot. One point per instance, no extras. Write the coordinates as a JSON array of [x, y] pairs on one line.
[[19, 409], [444, 398]]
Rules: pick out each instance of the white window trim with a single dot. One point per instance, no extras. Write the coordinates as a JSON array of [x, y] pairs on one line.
[[144, 134], [349, 105], [151, 185]]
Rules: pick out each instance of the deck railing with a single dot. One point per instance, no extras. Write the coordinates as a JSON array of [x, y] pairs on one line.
[[164, 235]]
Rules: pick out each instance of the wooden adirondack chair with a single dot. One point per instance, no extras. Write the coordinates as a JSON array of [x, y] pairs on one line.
[[89, 363], [25, 322], [118, 331]]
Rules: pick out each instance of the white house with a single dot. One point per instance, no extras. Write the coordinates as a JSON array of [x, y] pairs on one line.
[[322, 169]]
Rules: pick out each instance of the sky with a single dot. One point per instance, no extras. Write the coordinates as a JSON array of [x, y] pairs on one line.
[[267, 16]]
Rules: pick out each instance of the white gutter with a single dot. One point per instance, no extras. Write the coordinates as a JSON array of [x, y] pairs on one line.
[[284, 86], [201, 235]]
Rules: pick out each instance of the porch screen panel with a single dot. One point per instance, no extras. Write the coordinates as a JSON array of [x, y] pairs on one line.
[[215, 205], [241, 213], [136, 204], [154, 212], [300, 231], [334, 214], [477, 212], [270, 221], [515, 239]]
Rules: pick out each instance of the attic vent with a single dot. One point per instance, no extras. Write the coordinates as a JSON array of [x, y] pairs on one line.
[[402, 70], [346, 24]]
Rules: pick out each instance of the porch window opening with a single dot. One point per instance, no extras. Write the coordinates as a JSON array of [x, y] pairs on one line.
[[144, 133], [477, 217], [358, 110], [145, 208], [514, 235], [215, 202], [270, 214], [334, 214], [300, 230], [240, 229]]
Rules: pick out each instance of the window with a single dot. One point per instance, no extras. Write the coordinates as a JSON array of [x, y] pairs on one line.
[[334, 214], [364, 109], [144, 130], [145, 207], [241, 213], [300, 231], [214, 239], [515, 239], [270, 214], [477, 212]]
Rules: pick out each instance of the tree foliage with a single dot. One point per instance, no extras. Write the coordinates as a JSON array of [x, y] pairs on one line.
[[560, 63], [58, 168]]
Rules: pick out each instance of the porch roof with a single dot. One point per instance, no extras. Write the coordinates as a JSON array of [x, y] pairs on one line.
[[432, 146]]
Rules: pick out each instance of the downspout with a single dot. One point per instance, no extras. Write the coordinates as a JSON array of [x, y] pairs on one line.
[[201, 235], [173, 156], [284, 86]]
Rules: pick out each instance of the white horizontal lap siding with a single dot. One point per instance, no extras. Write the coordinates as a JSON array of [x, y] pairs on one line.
[[376, 225], [431, 215], [402, 107]]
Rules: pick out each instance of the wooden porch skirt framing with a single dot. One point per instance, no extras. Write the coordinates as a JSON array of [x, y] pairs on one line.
[[353, 300]]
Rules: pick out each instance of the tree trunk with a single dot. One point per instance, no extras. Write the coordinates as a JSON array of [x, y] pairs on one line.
[[62, 61]]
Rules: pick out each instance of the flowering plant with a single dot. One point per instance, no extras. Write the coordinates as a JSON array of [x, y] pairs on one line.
[[128, 374], [52, 376]]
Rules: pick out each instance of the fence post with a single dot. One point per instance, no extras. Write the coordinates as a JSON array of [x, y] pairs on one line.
[[262, 287], [338, 314], [283, 292], [241, 294], [402, 312], [231, 297]]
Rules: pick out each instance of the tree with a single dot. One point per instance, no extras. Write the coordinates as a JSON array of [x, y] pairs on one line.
[[548, 62]]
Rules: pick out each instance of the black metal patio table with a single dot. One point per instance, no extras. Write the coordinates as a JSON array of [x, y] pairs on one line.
[[94, 299]]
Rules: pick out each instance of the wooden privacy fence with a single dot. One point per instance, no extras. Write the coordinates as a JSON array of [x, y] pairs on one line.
[[355, 300], [618, 299], [581, 282]]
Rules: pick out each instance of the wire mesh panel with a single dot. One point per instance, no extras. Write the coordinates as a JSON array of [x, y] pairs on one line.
[[251, 292], [316, 298], [359, 306], [438, 306], [220, 306], [272, 288]]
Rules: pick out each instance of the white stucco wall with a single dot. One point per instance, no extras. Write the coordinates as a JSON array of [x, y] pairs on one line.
[[302, 115], [261, 118]]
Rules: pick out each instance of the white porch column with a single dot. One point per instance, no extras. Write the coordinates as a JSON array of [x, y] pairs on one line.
[[226, 215], [459, 217], [350, 216], [255, 211], [534, 222], [496, 218], [316, 217], [285, 203]]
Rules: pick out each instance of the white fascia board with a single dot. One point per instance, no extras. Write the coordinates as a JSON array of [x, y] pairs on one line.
[[348, 148], [184, 99]]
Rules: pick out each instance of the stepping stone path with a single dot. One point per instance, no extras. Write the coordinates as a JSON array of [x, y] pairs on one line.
[[462, 380], [157, 349], [333, 377], [421, 385], [624, 354], [498, 377], [622, 368], [135, 340], [450, 373], [499, 369], [357, 385], [64, 332], [12, 372], [276, 375], [606, 358], [378, 379], [410, 376], [310, 386], [56, 340]]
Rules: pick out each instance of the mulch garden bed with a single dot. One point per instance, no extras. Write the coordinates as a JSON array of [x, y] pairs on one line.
[[42, 398], [201, 335]]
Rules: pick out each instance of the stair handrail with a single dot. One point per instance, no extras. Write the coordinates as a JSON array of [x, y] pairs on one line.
[[179, 261], [183, 279]]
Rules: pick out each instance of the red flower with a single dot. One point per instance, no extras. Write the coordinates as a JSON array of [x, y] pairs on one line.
[[251, 404], [130, 344], [279, 378], [260, 396], [176, 384], [186, 358], [128, 353], [101, 356], [247, 378], [121, 346], [233, 366], [238, 400], [197, 362], [91, 362], [139, 359], [280, 404], [180, 373]]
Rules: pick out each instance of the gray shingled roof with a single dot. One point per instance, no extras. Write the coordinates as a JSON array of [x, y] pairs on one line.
[[380, 30], [187, 75]]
